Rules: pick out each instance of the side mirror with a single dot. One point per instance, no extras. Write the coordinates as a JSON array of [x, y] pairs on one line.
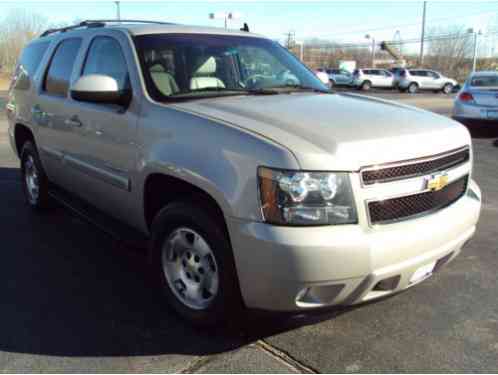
[[99, 88]]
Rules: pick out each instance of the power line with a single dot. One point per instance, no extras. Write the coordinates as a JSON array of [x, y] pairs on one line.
[[433, 38], [399, 26]]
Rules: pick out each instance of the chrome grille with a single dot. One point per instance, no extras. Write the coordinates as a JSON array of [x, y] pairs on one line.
[[414, 167], [406, 207]]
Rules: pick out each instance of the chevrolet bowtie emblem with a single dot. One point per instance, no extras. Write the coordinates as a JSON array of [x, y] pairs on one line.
[[437, 181]]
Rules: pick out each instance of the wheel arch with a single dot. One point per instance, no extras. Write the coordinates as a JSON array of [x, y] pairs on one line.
[[160, 189], [22, 133]]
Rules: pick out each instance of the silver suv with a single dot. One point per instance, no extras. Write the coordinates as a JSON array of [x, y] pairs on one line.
[[251, 184], [412, 80], [365, 79]]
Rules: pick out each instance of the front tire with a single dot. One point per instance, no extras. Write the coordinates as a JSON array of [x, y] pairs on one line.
[[34, 180], [367, 85], [194, 265]]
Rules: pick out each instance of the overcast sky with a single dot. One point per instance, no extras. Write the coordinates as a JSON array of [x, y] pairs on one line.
[[341, 21]]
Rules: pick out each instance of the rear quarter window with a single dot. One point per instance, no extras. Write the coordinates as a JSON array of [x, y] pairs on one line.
[[28, 64]]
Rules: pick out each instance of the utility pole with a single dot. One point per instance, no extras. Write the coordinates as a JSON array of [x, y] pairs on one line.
[[421, 58], [118, 11]]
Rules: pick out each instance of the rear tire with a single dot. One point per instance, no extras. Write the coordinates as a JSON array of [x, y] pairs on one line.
[[34, 180], [447, 88], [412, 88], [193, 263], [367, 85]]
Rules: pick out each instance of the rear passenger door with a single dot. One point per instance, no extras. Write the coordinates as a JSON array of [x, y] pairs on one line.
[[387, 78], [104, 150], [49, 109]]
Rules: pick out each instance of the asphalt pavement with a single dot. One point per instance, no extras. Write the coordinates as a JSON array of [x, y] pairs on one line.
[[71, 299]]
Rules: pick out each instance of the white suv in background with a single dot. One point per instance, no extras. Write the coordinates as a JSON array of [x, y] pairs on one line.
[[366, 78], [412, 80]]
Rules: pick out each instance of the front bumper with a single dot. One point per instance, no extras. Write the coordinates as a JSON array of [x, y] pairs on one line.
[[297, 268]]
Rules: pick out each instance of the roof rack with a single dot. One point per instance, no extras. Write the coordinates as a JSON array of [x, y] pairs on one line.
[[97, 23]]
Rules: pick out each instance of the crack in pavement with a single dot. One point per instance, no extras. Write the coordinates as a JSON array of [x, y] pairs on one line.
[[285, 357]]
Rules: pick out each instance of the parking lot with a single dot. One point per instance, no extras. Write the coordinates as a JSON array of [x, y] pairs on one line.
[[71, 300]]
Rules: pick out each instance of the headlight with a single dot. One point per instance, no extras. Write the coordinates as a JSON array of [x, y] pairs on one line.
[[306, 198]]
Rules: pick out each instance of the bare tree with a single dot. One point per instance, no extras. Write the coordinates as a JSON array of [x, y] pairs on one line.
[[17, 28], [450, 50]]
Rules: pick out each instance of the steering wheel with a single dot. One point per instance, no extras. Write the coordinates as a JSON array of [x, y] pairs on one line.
[[253, 80], [289, 80]]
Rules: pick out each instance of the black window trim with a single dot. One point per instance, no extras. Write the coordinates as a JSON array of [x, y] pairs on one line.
[[47, 67]]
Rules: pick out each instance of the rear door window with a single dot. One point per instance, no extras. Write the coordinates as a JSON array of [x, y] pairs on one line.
[[61, 66], [28, 65]]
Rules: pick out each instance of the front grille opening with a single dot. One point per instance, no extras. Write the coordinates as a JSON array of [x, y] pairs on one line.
[[441, 262], [415, 168], [407, 207], [390, 283]]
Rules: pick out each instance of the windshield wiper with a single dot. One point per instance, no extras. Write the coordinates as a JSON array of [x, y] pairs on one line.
[[296, 87], [227, 91]]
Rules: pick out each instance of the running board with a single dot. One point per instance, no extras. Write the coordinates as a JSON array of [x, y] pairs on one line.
[[122, 233]]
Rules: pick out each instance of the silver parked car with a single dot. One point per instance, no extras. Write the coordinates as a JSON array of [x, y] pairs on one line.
[[478, 98], [340, 77], [412, 80], [365, 79], [247, 191]]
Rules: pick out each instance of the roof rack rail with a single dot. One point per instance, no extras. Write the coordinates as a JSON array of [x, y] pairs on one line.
[[97, 23]]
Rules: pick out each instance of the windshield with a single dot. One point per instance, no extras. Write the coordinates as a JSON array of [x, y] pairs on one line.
[[485, 81], [197, 65]]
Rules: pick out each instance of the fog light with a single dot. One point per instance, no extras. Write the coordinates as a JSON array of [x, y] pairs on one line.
[[390, 283], [315, 296]]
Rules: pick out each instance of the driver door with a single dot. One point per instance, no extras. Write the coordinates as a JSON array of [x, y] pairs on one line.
[[104, 151]]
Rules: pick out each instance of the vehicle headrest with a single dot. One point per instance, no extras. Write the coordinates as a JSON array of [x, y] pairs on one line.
[[208, 67]]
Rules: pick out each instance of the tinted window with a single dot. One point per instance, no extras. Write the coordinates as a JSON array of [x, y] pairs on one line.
[[190, 66], [106, 57], [28, 64], [61, 66], [484, 81]]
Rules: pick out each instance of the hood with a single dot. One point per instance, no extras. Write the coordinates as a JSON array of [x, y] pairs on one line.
[[337, 131]]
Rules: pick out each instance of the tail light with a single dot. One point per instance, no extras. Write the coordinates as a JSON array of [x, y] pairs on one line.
[[466, 97]]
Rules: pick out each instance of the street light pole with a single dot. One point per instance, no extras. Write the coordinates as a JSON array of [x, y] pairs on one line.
[[301, 50], [476, 41], [368, 36], [226, 16], [118, 11]]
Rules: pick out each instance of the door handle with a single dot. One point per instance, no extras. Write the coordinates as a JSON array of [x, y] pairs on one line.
[[74, 122]]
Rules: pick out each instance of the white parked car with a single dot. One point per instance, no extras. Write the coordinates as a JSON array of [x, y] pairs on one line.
[[478, 98], [412, 80], [367, 78]]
